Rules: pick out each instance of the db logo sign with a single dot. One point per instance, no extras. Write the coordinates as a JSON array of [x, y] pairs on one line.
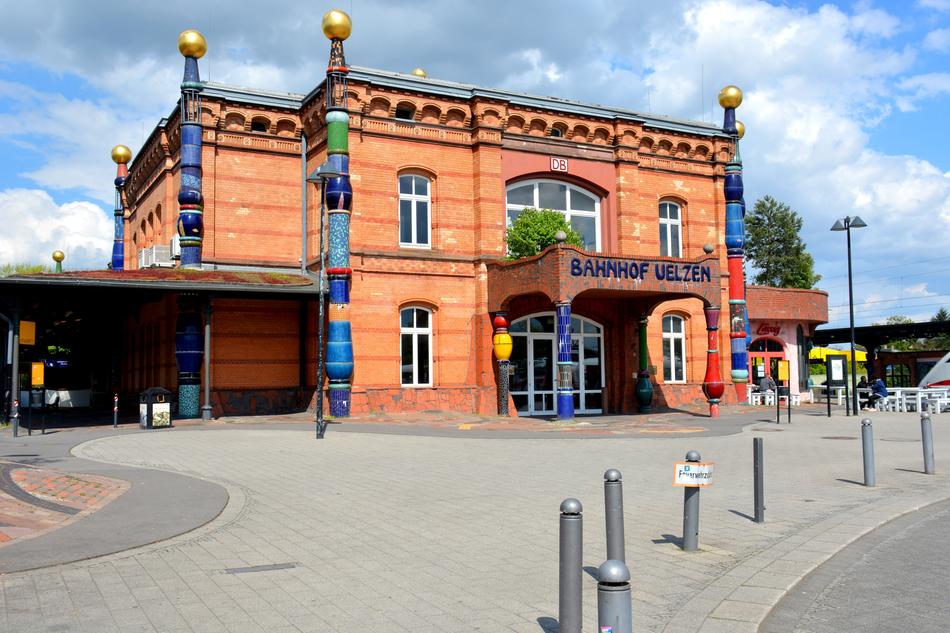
[[558, 164]]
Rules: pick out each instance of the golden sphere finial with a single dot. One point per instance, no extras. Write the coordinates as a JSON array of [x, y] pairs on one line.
[[730, 97], [336, 25], [418, 72], [58, 256], [740, 128], [191, 43], [121, 154]]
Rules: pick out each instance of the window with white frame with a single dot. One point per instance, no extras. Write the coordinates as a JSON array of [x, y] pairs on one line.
[[415, 333], [674, 349], [580, 208], [670, 230], [415, 207]]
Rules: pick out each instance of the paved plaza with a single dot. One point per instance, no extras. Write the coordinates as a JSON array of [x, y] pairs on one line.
[[385, 531]]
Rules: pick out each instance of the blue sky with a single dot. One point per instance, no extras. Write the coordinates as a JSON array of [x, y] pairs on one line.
[[846, 103]]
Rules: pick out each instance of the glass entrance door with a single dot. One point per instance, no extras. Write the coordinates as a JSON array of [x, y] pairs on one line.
[[533, 380]]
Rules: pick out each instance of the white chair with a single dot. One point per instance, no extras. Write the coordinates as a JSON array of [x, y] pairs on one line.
[[755, 398]]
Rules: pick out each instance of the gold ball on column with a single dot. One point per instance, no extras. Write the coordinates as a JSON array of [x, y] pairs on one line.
[[191, 43], [58, 256], [121, 154], [336, 25], [730, 97], [740, 127]]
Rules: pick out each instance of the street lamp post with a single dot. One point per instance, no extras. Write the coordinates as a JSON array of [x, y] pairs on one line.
[[319, 177], [846, 224]]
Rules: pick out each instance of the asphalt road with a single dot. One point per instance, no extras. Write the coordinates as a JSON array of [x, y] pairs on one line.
[[893, 580]]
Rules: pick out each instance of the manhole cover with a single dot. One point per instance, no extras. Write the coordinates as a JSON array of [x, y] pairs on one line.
[[838, 437]]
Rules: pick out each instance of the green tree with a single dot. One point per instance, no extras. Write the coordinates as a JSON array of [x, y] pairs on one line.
[[22, 269], [941, 342], [775, 248], [902, 345], [533, 231]]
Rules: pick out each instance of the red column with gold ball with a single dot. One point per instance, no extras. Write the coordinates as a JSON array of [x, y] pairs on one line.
[[501, 342], [712, 383]]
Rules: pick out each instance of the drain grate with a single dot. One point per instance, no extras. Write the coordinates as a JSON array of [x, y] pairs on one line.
[[257, 568], [839, 437]]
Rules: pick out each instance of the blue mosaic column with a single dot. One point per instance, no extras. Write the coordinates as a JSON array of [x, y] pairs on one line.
[[189, 337], [121, 155], [565, 388], [339, 198], [190, 201]]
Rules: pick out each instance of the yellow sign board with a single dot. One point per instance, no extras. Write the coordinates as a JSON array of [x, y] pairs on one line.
[[27, 332], [37, 374], [783, 370]]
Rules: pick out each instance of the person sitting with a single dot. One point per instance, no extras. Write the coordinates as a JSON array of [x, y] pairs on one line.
[[878, 392], [863, 384], [766, 384]]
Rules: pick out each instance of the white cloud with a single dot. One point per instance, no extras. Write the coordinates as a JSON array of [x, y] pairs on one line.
[[920, 87], [35, 226], [939, 5], [532, 71], [938, 40]]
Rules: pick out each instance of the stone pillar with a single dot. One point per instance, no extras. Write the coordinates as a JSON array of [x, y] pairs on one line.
[[189, 344], [644, 391], [501, 341], [712, 383], [565, 388]]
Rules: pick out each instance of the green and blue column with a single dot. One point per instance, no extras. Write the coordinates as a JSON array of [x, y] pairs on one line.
[[644, 389], [121, 155], [565, 387]]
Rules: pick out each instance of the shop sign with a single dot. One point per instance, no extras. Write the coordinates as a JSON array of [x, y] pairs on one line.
[[37, 374], [27, 332], [626, 269], [783, 370], [769, 329], [558, 164], [693, 474]]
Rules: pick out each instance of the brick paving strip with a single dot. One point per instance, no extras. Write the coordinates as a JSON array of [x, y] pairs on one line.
[[418, 533], [35, 501]]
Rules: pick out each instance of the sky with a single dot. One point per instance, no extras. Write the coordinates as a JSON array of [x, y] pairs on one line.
[[846, 103]]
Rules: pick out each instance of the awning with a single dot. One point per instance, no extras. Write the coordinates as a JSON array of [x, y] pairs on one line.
[[821, 353]]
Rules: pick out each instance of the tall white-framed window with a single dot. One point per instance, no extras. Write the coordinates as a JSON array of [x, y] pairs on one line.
[[671, 224], [415, 205], [415, 334], [580, 208], [674, 349]]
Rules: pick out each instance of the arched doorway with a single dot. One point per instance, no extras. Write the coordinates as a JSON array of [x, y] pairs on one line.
[[764, 355], [533, 380]]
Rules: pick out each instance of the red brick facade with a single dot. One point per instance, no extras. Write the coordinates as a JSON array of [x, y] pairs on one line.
[[471, 145]]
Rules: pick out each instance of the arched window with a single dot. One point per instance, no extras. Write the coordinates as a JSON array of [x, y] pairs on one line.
[[670, 225], [580, 208], [414, 211], [674, 349], [405, 111], [259, 125], [415, 333]]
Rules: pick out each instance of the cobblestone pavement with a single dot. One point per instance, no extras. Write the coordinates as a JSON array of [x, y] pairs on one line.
[[373, 532], [34, 501]]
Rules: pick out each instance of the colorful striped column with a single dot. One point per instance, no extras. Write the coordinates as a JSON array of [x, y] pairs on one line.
[[565, 388], [190, 201], [644, 390], [730, 98], [189, 338], [712, 382], [121, 155], [502, 344], [339, 198]]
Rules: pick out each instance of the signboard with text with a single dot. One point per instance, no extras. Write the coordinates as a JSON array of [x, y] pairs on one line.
[[27, 333], [558, 164], [37, 377], [695, 474]]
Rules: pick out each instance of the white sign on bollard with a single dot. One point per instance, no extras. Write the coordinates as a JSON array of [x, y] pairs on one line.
[[694, 474]]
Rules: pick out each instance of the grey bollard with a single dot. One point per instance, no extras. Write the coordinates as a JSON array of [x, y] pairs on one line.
[[927, 438], [758, 479], [613, 514], [691, 511], [570, 566], [115, 411], [614, 607], [867, 446]]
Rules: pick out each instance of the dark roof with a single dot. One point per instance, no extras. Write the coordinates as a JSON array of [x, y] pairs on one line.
[[181, 279]]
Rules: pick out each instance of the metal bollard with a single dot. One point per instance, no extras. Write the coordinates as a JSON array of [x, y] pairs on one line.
[[758, 479], [927, 438], [614, 607], [570, 566], [867, 445], [16, 417], [115, 411], [613, 513], [691, 511]]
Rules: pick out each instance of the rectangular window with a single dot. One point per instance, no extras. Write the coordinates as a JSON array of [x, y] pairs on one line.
[[414, 212]]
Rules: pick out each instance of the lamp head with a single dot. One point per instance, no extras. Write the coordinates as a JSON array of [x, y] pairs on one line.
[[839, 226], [323, 172], [857, 223]]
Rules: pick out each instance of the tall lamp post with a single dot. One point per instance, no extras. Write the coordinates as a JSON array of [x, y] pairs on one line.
[[319, 177], [846, 224]]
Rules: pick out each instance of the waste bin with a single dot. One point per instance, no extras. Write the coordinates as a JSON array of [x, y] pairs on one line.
[[155, 408]]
